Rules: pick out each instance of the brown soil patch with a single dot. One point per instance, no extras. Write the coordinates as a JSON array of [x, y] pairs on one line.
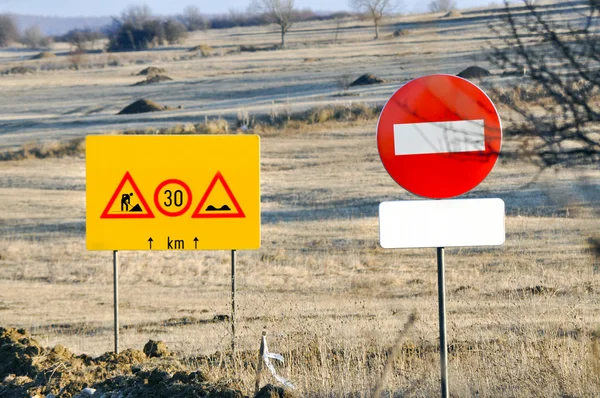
[[151, 79], [474, 72], [367, 79], [151, 71]]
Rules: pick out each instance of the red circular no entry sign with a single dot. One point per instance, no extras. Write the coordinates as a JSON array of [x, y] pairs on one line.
[[439, 136]]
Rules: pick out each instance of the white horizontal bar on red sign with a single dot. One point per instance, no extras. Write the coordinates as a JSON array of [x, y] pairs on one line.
[[439, 137], [441, 223]]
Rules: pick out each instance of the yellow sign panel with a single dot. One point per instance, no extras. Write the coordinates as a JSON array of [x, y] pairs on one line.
[[173, 192]]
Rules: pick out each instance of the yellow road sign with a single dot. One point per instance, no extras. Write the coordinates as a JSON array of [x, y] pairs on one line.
[[173, 192]]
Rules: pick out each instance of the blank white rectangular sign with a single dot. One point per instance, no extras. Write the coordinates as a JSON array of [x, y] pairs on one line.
[[441, 223], [439, 137]]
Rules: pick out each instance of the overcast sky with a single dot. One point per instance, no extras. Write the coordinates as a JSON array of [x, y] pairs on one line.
[[72, 8]]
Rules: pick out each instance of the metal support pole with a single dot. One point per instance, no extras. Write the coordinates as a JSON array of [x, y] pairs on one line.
[[442, 307], [116, 297], [233, 301]]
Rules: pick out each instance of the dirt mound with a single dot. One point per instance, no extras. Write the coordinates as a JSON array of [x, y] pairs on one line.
[[142, 106], [271, 391], [127, 357], [44, 55], [151, 79], [28, 369], [151, 71], [17, 351], [19, 70], [156, 349], [160, 383], [401, 32], [367, 79], [452, 14], [474, 72], [25, 366]]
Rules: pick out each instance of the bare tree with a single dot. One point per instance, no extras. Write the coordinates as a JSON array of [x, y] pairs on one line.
[[344, 81], [557, 96], [34, 38], [8, 30], [136, 15], [192, 19], [442, 5], [175, 31], [279, 12], [81, 40], [374, 9]]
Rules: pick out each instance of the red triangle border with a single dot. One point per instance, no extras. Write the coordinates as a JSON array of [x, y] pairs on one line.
[[126, 178], [218, 177]]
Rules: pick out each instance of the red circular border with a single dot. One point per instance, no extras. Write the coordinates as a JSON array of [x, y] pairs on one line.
[[187, 190]]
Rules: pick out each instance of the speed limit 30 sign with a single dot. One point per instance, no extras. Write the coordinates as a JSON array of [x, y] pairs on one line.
[[172, 192]]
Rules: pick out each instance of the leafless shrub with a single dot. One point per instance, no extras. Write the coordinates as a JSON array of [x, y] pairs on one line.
[[138, 29], [564, 128], [217, 126], [82, 40], [343, 82], [77, 60], [175, 31], [193, 20], [34, 38]]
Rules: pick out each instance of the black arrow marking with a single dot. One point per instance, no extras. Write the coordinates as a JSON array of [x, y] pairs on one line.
[[195, 243], [150, 240]]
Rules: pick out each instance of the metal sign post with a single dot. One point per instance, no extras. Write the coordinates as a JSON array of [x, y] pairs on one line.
[[431, 130], [442, 308], [233, 301], [116, 297]]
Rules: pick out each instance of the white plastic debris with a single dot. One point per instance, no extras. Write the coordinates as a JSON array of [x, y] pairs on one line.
[[267, 356]]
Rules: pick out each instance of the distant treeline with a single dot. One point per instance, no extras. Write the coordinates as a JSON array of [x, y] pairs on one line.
[[234, 18], [138, 28]]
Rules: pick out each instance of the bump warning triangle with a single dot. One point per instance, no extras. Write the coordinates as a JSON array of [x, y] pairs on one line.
[[218, 201], [130, 203]]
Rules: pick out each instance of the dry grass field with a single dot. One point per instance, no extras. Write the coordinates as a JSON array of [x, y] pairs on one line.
[[523, 318]]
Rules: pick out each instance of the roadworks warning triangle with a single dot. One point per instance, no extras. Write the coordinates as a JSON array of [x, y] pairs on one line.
[[130, 203], [218, 201]]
